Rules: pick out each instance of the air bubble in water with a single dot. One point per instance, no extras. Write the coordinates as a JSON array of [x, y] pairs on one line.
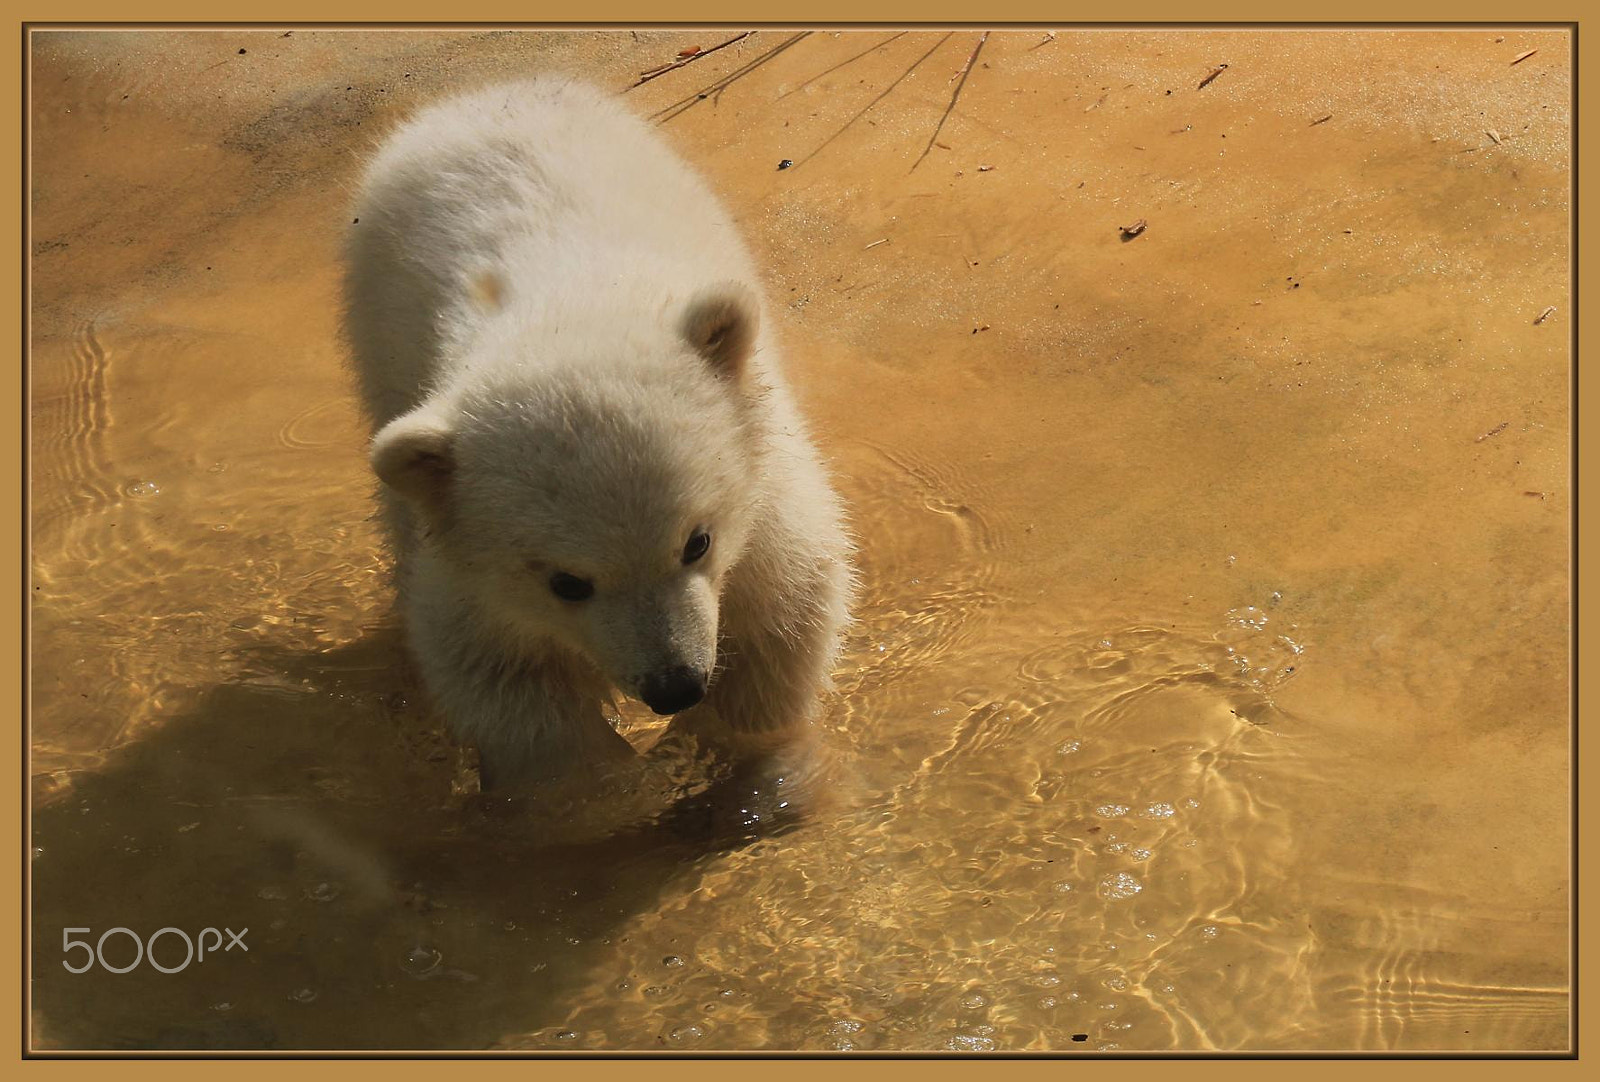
[[1119, 886], [421, 960]]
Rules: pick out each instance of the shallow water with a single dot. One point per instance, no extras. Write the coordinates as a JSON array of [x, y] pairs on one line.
[[1209, 686]]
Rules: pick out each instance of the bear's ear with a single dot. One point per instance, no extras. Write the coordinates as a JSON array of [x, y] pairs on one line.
[[414, 455], [720, 324]]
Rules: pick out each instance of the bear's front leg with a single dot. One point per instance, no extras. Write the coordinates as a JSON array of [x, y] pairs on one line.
[[534, 719], [775, 663]]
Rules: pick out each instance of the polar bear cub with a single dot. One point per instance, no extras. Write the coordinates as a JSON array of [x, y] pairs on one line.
[[593, 475]]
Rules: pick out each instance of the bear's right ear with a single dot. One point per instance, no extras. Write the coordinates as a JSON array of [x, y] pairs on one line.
[[414, 455]]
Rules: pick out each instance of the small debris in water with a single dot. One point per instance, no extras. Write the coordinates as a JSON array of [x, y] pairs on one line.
[[1495, 431], [690, 51], [1080, 1037], [1492, 134], [303, 995], [787, 163], [1530, 492], [875, 243], [1544, 315], [1218, 70], [1515, 62], [1322, 120], [985, 168], [1130, 231], [672, 961]]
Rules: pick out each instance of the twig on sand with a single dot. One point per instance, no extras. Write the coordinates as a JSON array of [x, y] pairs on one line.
[[966, 70], [656, 73], [684, 104], [841, 64], [902, 77], [1218, 70]]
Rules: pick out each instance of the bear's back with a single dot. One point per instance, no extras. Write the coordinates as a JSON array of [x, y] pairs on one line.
[[548, 180]]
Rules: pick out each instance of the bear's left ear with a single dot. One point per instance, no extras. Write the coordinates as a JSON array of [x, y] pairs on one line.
[[720, 324]]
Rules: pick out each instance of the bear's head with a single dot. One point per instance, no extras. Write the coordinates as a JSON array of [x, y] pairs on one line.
[[593, 483]]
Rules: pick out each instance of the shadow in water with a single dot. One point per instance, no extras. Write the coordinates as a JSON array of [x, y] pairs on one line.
[[387, 905]]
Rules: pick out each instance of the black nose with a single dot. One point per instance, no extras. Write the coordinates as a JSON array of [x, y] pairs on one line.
[[672, 690]]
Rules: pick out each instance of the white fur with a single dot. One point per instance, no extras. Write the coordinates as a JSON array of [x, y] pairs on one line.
[[558, 338]]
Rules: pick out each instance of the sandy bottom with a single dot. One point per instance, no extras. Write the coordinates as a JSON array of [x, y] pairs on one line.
[[1210, 685]]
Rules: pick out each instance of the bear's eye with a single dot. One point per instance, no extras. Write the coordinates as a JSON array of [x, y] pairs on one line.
[[571, 587], [698, 543]]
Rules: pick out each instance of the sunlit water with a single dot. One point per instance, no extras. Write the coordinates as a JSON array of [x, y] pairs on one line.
[[1208, 689]]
